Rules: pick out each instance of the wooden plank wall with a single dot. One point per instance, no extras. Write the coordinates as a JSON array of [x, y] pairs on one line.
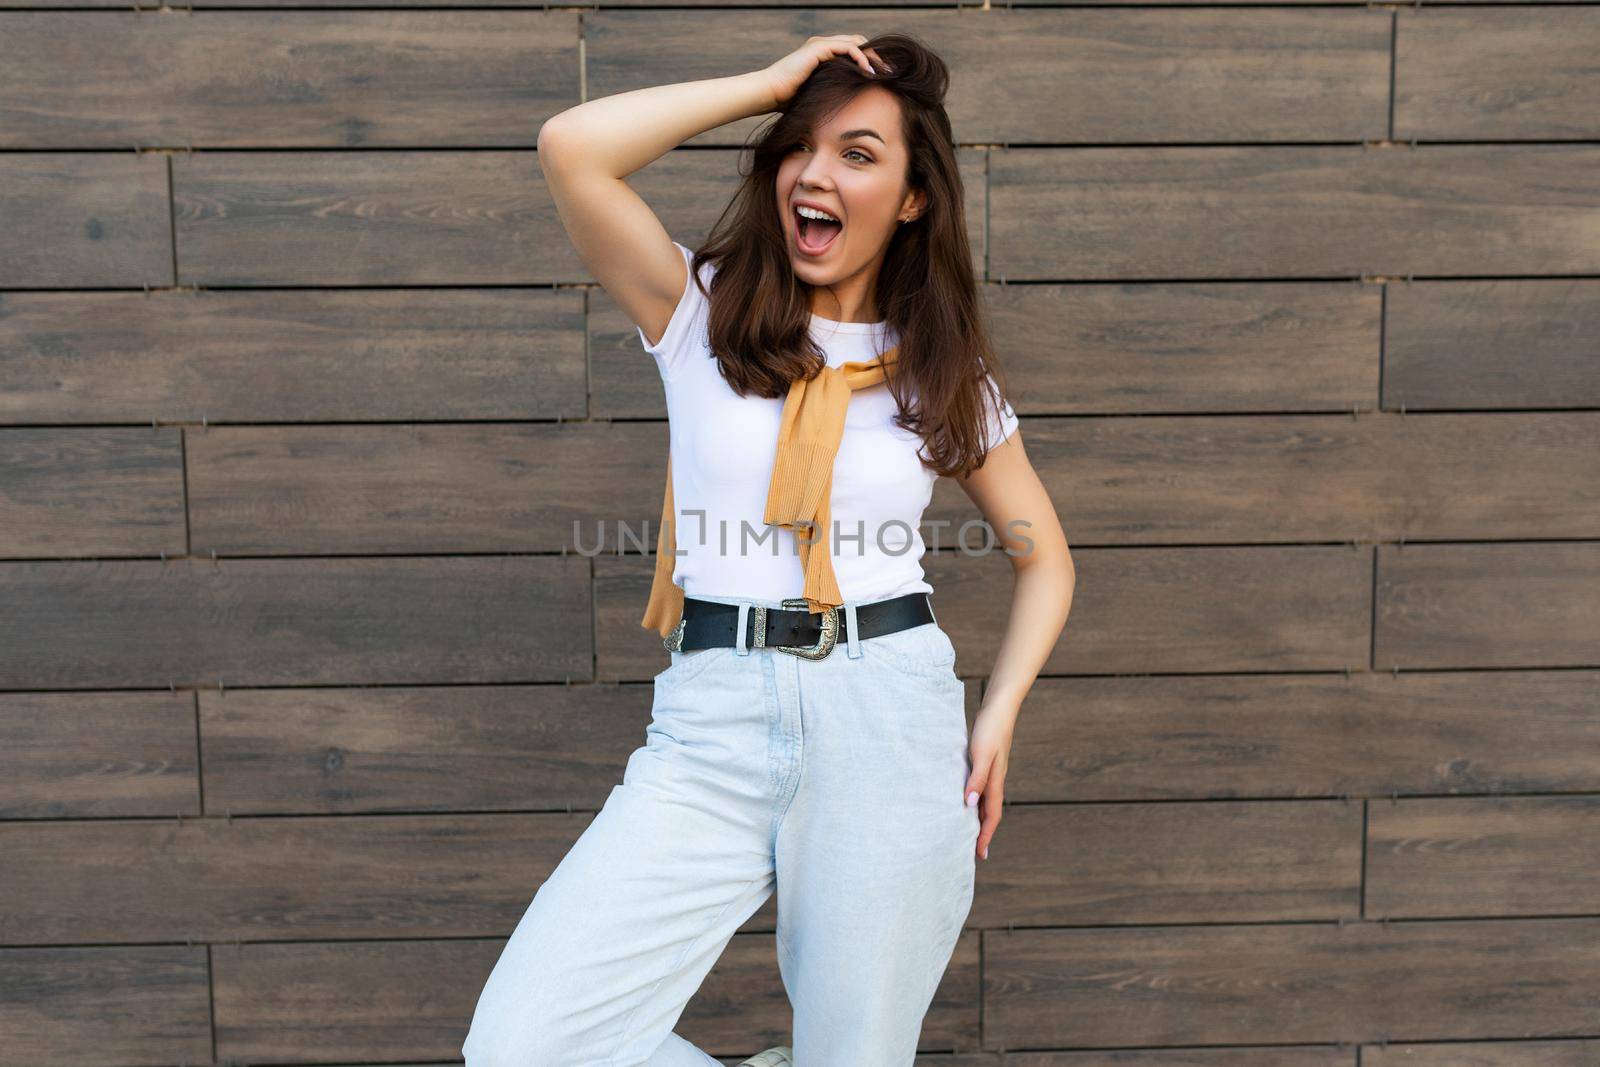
[[302, 391]]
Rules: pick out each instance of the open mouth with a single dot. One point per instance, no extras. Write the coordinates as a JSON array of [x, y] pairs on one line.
[[815, 236]]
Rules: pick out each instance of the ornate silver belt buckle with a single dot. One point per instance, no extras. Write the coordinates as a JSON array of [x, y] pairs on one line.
[[825, 640], [673, 642]]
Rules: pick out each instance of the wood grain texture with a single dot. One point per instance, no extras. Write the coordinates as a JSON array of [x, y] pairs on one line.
[[424, 749], [358, 218], [89, 492], [1155, 348], [1371, 734], [1293, 212], [1280, 1056], [1248, 861], [1497, 74], [1555, 1053], [1508, 343], [89, 755], [1488, 605], [1466, 856], [419, 487], [88, 1006], [267, 879], [1304, 478], [336, 79], [288, 356], [84, 219], [210, 624], [1209, 610], [1311, 982]]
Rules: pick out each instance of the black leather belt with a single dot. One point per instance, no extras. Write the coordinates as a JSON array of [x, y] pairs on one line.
[[792, 628]]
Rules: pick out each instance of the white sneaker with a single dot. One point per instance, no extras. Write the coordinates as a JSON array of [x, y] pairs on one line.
[[781, 1056]]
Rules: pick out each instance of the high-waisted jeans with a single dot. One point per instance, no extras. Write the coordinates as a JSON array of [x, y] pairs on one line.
[[836, 782]]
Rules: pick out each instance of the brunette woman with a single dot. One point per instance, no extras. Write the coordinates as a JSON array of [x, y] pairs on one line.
[[825, 359]]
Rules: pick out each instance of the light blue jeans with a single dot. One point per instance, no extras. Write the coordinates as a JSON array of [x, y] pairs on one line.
[[836, 782]]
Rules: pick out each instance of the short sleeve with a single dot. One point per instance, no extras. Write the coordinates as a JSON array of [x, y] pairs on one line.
[[682, 338], [999, 426]]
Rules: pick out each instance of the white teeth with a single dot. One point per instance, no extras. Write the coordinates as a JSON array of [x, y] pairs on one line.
[[813, 213]]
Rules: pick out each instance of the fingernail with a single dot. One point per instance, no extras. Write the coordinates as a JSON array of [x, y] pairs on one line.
[[985, 851], [972, 799]]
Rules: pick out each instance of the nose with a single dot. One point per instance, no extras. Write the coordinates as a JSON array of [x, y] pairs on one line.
[[812, 174]]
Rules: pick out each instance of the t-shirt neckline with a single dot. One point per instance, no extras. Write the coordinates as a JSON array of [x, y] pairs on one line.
[[835, 326]]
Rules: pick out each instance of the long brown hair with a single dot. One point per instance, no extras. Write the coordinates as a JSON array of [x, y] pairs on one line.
[[760, 312]]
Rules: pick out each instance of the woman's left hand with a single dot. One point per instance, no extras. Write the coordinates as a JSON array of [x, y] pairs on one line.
[[991, 750]]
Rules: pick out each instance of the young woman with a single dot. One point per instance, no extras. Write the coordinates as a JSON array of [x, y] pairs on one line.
[[825, 360]]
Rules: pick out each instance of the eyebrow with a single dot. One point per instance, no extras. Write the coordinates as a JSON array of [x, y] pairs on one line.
[[850, 135]]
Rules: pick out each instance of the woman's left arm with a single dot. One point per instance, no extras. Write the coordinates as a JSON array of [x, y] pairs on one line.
[[1007, 490]]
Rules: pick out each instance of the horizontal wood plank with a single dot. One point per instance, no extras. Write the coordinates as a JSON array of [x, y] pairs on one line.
[[1293, 212], [119, 1005], [1489, 605], [299, 879], [216, 356], [1371, 734], [336, 79], [87, 492], [1509, 73], [1313, 982], [1557, 1053], [427, 488], [1083, 864], [1483, 856], [81, 220], [82, 755], [214, 624], [1204, 610], [1314, 478], [1269, 1056], [1508, 343], [1187, 347], [437, 748]]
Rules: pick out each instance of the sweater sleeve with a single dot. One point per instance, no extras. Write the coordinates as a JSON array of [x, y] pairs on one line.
[[685, 336]]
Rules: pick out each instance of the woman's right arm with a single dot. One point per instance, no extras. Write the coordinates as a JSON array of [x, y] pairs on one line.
[[587, 151]]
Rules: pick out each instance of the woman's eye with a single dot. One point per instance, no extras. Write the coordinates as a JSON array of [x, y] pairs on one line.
[[801, 146]]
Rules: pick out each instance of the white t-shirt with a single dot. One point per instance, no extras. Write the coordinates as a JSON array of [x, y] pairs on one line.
[[724, 447]]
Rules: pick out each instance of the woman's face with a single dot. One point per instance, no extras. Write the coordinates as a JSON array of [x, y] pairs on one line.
[[853, 168]]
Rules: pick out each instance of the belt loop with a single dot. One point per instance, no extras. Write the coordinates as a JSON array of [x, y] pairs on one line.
[[853, 640], [929, 599], [741, 646]]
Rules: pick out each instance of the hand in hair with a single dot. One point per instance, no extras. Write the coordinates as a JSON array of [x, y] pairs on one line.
[[789, 73]]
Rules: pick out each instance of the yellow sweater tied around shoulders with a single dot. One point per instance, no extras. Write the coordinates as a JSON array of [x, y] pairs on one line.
[[798, 498]]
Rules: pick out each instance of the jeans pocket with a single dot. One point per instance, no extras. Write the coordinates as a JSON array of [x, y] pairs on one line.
[[924, 650], [686, 665]]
